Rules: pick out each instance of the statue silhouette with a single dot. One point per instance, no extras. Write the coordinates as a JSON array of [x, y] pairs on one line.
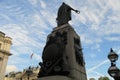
[[64, 14]]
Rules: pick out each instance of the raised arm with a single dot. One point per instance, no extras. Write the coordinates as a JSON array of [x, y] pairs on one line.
[[72, 8]]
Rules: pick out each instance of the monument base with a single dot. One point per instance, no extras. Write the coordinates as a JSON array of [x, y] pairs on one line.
[[71, 59], [55, 78]]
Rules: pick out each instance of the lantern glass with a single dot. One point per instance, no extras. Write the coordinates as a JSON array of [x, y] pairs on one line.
[[113, 71], [112, 56]]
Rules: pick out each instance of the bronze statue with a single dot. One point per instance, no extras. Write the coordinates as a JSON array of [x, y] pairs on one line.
[[64, 14]]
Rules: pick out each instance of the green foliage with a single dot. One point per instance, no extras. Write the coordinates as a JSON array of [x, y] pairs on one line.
[[104, 78], [92, 79]]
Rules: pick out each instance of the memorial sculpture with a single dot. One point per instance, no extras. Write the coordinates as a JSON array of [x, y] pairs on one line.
[[62, 55], [52, 56], [64, 14]]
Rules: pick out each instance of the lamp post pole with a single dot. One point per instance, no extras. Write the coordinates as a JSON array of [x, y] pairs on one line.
[[113, 71]]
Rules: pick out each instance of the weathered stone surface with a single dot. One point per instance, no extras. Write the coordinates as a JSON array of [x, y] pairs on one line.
[[5, 44], [55, 78], [71, 56]]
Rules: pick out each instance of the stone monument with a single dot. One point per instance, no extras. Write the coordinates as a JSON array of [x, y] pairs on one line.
[[62, 55]]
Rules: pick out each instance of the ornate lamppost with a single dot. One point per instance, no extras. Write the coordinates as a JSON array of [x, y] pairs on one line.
[[113, 71], [29, 72]]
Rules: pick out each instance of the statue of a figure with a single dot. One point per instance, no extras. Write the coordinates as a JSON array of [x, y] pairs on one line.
[[64, 14]]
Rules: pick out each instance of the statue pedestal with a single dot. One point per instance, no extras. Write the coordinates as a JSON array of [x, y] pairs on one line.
[[55, 78], [72, 59]]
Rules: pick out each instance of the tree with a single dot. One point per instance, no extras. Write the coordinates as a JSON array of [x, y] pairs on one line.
[[92, 79], [104, 78]]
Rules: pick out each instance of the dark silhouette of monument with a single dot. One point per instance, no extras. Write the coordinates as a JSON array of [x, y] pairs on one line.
[[64, 14], [62, 55]]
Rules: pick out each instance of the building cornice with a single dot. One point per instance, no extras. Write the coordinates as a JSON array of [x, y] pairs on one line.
[[8, 41], [5, 52], [2, 34]]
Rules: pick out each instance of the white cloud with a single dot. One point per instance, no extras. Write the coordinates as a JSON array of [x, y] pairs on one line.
[[93, 55], [51, 18], [99, 74], [6, 17], [109, 29], [11, 68], [96, 12], [96, 47], [97, 66], [114, 18], [37, 57], [43, 4], [114, 4], [118, 61], [38, 22], [19, 35], [113, 38], [17, 59], [101, 24], [23, 44], [81, 17], [33, 2], [91, 16], [87, 39]]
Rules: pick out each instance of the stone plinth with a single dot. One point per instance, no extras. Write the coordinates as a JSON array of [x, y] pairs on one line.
[[70, 60], [55, 78]]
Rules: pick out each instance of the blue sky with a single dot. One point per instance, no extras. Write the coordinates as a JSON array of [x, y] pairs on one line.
[[28, 22]]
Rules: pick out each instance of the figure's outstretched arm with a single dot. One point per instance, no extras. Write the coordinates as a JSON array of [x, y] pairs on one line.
[[71, 8], [75, 10]]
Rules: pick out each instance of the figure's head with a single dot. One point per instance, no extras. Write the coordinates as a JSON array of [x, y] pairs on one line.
[[63, 3]]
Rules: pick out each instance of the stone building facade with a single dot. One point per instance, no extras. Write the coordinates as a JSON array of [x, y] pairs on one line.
[[32, 75], [5, 44]]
